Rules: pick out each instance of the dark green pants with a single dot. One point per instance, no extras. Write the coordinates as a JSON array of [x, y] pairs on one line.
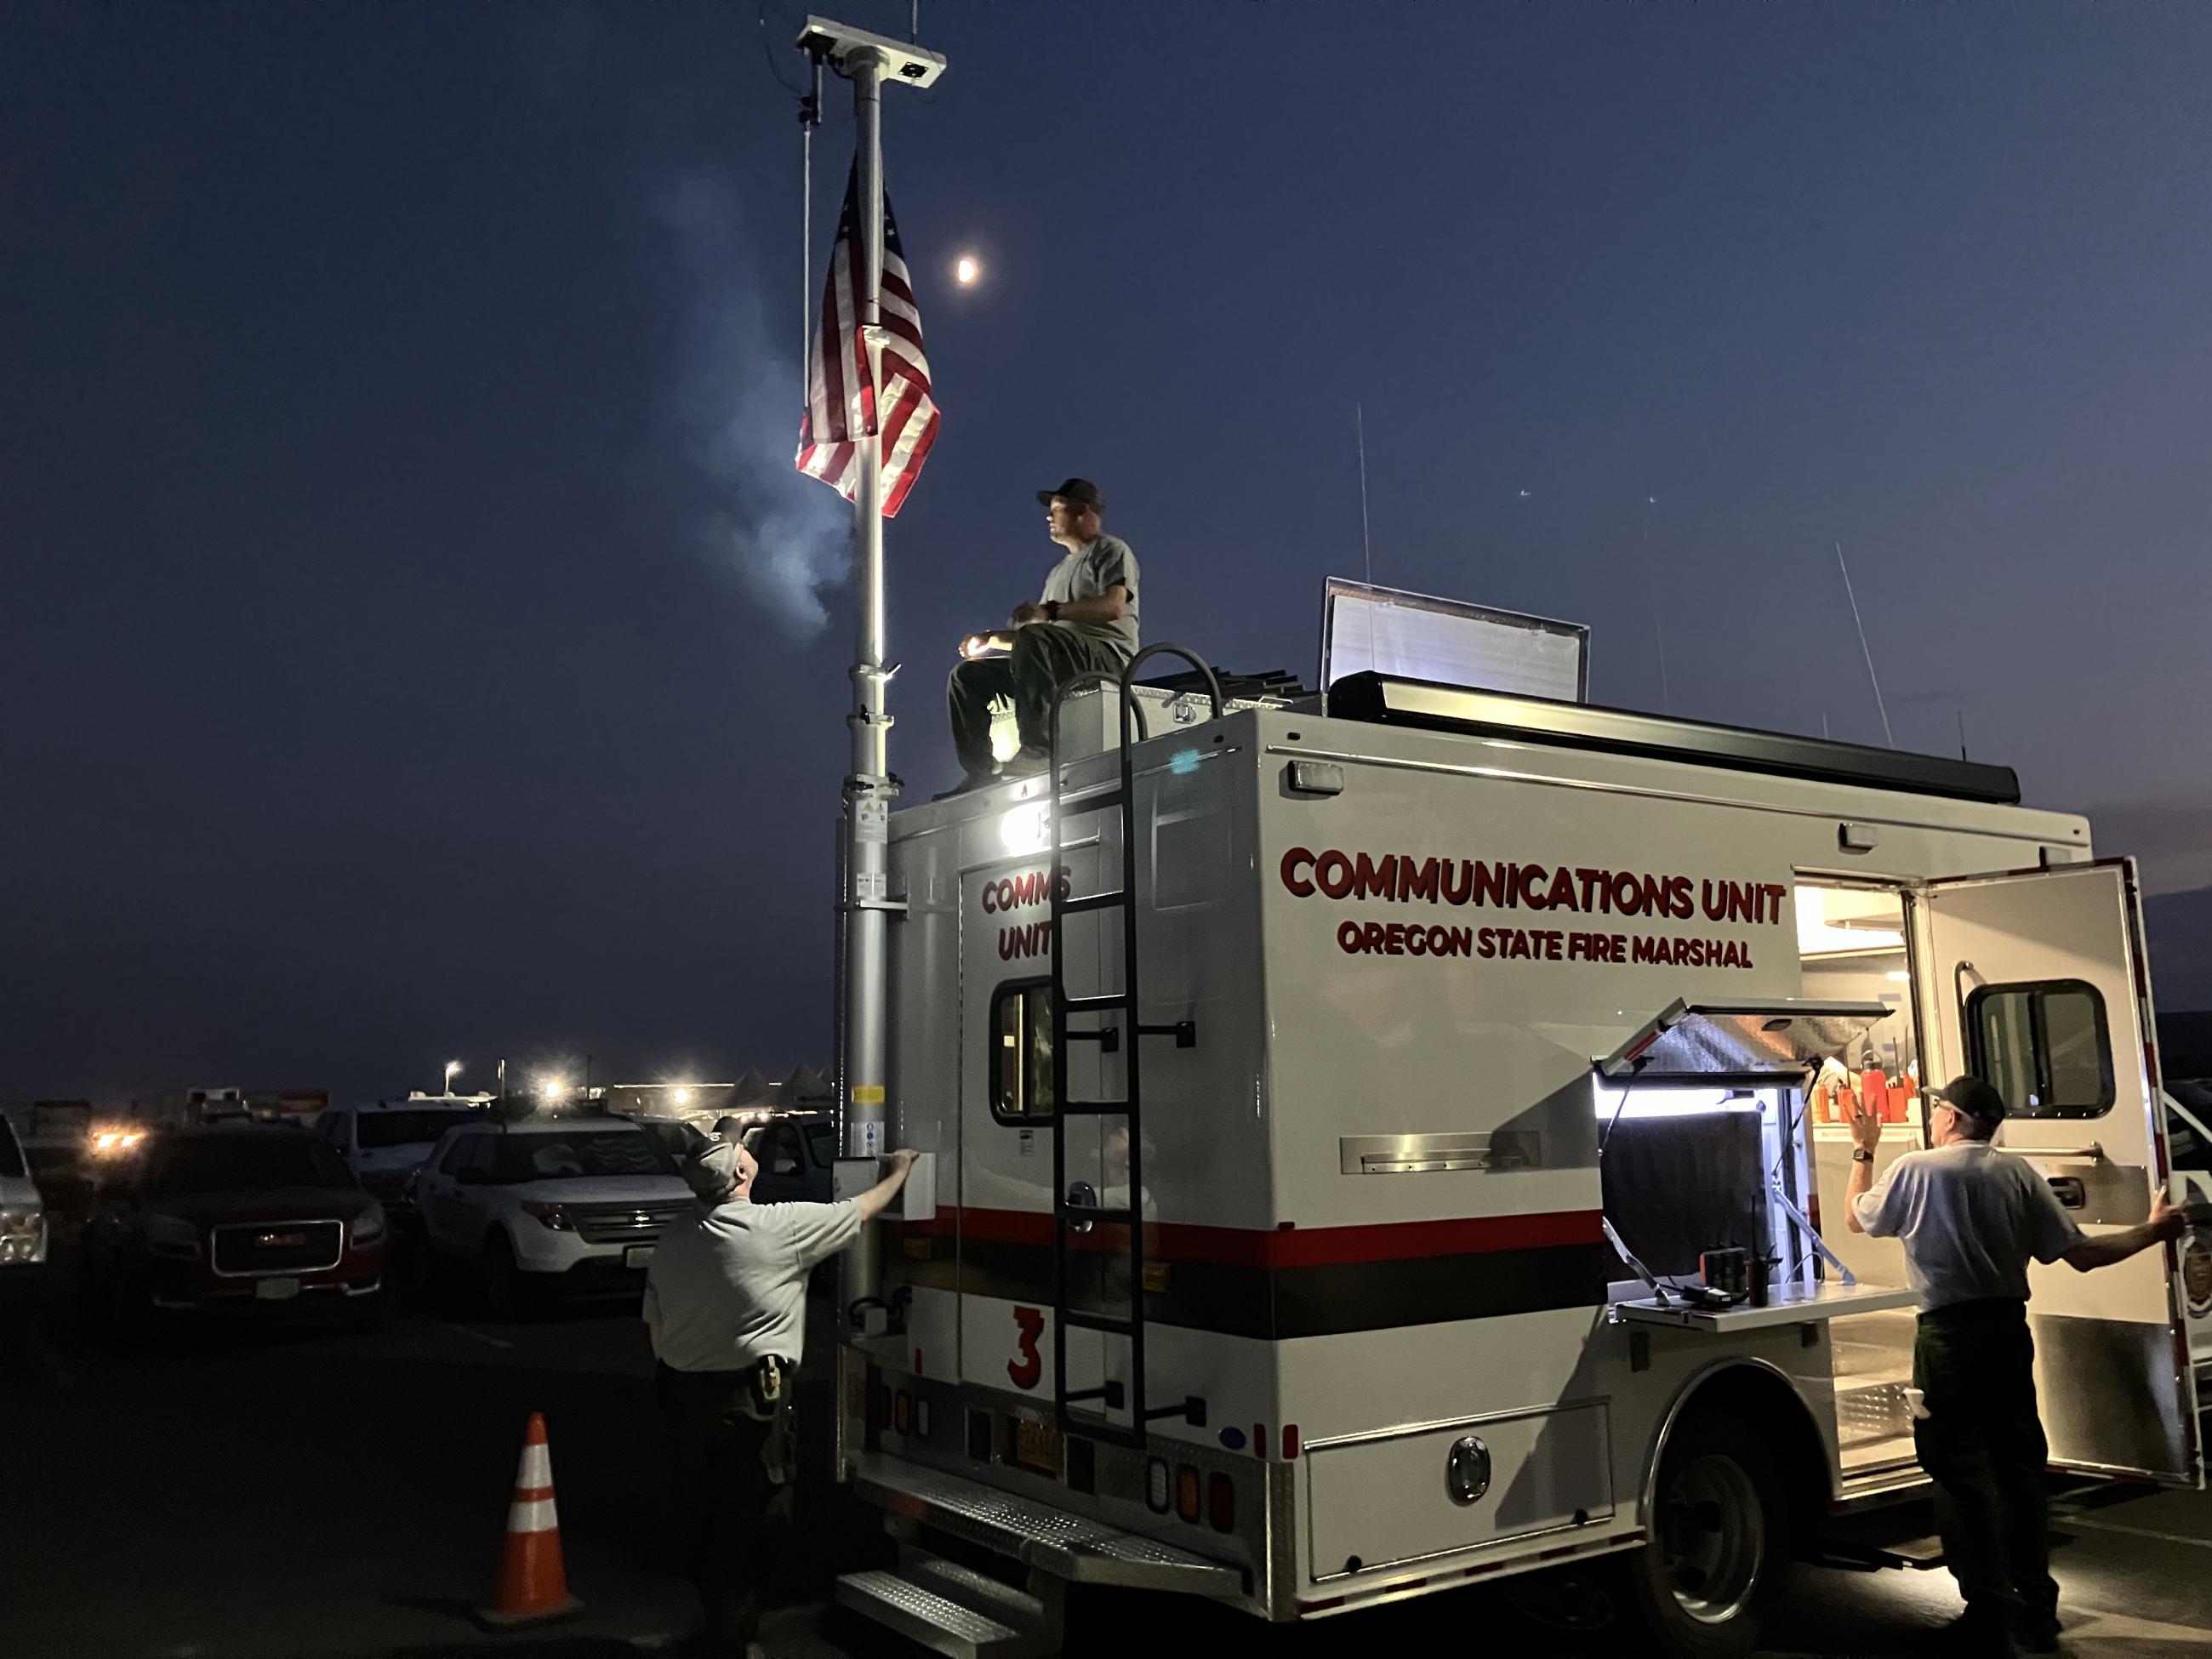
[[1982, 1444], [1044, 654], [732, 1461]]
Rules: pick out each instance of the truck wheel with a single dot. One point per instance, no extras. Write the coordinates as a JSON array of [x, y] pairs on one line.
[[1719, 1544]]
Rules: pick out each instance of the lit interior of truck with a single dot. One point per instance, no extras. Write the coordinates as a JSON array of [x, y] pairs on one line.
[[1751, 1157], [1851, 943]]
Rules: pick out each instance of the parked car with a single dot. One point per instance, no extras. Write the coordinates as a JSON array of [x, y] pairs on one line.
[[570, 1204], [796, 1152], [2189, 1143], [22, 1222], [679, 1137], [385, 1143], [250, 1219]]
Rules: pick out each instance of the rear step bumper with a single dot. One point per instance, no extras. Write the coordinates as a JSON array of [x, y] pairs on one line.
[[953, 1611], [1045, 1539]]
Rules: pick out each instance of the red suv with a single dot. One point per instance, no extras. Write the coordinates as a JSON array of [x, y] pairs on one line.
[[253, 1218]]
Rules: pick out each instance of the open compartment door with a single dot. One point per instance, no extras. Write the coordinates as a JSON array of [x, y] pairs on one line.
[[2037, 982], [1766, 1041]]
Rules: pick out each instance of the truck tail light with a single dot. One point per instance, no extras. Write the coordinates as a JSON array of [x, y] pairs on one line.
[[1221, 1502], [1186, 1493], [903, 1412]]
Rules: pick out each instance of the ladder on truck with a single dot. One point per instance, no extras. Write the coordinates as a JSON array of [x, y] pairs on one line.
[[1123, 1033]]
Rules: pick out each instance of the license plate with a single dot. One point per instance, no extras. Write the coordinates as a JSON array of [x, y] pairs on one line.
[[1036, 1446], [636, 1255], [276, 1290]]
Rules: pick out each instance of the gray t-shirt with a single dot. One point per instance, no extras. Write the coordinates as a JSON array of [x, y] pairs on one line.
[[1085, 574], [1970, 1216], [727, 1286]]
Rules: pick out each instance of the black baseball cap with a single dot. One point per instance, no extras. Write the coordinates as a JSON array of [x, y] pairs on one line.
[[1081, 491], [1976, 1098]]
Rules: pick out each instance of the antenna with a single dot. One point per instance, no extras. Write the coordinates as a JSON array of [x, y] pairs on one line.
[[1651, 590], [1366, 546], [1865, 650], [809, 117], [1962, 732]]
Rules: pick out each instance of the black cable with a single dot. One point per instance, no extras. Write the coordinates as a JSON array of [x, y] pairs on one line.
[[768, 54]]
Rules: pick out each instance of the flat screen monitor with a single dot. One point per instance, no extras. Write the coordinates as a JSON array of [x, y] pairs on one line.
[[1417, 636]]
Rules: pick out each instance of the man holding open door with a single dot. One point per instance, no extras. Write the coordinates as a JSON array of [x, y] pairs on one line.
[[1970, 1216]]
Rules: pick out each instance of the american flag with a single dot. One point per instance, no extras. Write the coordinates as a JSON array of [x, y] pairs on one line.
[[842, 402]]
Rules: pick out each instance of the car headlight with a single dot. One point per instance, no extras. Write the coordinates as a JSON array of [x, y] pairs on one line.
[[554, 1215], [169, 1235], [22, 1235], [368, 1229]]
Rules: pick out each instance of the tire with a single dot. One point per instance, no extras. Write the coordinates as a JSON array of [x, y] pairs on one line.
[[1720, 1542], [506, 1296]]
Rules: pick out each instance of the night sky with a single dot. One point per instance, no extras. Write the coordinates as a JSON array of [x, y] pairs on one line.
[[417, 643]]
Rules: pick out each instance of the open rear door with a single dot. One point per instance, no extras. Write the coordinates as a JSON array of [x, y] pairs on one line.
[[2037, 982]]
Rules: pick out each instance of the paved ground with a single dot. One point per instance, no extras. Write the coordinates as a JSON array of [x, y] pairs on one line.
[[307, 1493]]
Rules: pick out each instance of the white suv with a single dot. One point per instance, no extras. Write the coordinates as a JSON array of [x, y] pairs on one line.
[[22, 1218], [561, 1203]]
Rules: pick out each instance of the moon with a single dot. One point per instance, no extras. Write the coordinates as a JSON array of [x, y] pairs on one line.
[[965, 271]]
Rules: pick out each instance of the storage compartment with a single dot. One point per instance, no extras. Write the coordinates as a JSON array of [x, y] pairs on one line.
[[1388, 1500]]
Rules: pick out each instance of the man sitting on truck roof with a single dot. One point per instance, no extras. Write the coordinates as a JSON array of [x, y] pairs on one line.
[[1086, 619], [1970, 1216]]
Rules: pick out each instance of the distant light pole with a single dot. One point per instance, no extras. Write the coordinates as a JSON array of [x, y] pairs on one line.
[[453, 1071]]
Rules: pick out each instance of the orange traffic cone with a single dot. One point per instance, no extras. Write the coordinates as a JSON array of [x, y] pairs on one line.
[[532, 1584]]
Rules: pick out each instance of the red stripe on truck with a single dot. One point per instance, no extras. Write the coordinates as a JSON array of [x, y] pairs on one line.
[[1292, 1247]]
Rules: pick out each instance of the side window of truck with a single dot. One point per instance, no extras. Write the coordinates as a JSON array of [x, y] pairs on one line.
[[1022, 1076], [2046, 1046]]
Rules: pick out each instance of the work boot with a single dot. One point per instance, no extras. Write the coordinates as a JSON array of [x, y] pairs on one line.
[[1028, 761], [1974, 1634], [970, 781], [2037, 1632]]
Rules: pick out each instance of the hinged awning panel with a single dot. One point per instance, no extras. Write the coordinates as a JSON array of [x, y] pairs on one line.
[[1774, 1039]]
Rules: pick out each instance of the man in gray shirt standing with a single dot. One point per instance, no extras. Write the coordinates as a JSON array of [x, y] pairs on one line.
[[726, 1307], [1086, 619], [1970, 1216]]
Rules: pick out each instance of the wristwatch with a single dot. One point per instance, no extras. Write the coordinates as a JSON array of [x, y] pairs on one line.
[[1052, 610], [1860, 1155]]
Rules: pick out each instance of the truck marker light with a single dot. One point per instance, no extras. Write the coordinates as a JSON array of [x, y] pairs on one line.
[[1260, 1441], [1186, 1493], [1290, 1443], [1221, 1502], [1156, 1486]]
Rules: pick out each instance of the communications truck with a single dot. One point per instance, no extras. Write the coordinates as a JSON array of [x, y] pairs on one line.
[[1331, 1106]]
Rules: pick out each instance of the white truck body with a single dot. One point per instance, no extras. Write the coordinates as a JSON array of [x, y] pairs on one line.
[[1371, 1194]]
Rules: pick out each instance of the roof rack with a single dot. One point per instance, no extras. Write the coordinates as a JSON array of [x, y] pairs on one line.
[[1386, 700]]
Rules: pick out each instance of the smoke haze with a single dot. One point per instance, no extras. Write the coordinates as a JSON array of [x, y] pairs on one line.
[[783, 536]]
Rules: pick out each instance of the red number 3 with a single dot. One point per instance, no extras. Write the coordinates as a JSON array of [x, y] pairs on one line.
[[1029, 1366]]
